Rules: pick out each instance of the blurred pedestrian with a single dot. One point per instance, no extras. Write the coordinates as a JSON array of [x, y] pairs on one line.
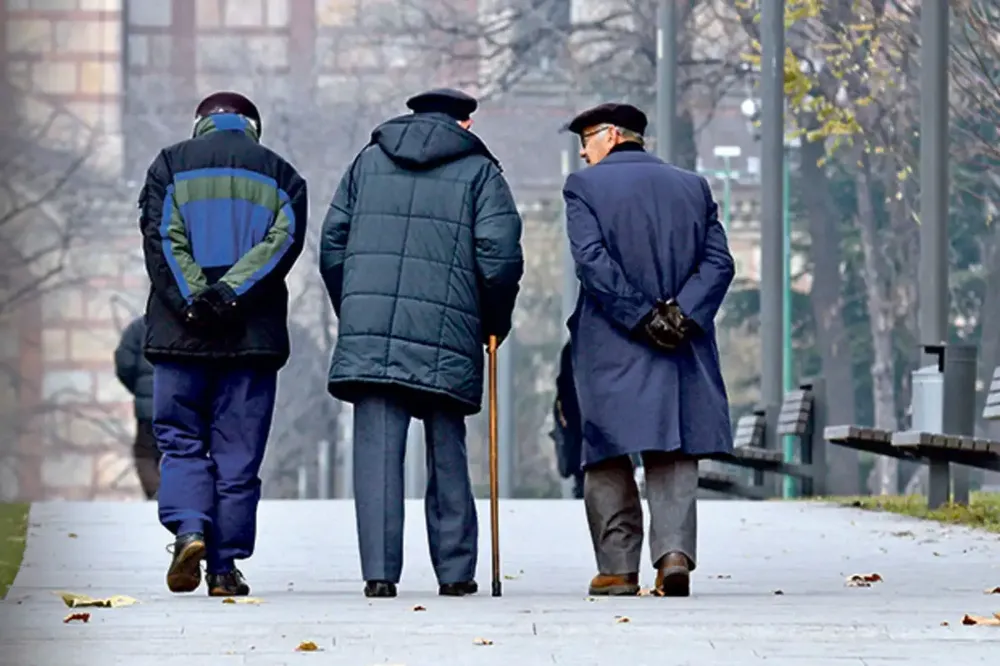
[[421, 256], [654, 266], [136, 375], [223, 220], [566, 414]]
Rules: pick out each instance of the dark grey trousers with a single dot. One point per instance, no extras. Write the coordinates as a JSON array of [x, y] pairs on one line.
[[380, 427], [614, 510]]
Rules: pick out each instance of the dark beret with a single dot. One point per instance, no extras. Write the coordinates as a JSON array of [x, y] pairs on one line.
[[455, 103], [620, 115]]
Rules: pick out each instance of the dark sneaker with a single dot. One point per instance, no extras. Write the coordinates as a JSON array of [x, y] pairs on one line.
[[229, 584], [462, 589], [380, 589], [184, 574]]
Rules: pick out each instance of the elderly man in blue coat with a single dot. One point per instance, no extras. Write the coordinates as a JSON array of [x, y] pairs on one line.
[[654, 267]]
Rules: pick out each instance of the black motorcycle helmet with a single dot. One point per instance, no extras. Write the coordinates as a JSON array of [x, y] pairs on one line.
[[230, 102]]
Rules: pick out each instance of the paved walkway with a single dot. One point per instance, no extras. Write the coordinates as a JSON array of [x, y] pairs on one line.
[[306, 574]]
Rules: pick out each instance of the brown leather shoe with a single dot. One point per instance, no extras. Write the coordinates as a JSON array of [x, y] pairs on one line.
[[673, 576], [607, 585]]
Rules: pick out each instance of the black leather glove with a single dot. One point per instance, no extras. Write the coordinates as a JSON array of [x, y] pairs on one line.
[[665, 327], [221, 298], [200, 317]]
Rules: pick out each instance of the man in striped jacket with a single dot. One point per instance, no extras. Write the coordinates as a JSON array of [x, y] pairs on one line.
[[223, 220]]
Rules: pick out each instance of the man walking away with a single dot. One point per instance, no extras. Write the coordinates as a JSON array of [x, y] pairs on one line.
[[654, 267], [421, 256], [136, 375], [223, 220]]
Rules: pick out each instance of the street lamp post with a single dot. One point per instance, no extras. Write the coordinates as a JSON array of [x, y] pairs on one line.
[[727, 153]]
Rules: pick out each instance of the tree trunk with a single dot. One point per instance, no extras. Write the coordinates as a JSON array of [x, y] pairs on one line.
[[881, 322], [827, 303]]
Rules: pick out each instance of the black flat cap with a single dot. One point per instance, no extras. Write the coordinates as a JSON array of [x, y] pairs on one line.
[[621, 115], [455, 103]]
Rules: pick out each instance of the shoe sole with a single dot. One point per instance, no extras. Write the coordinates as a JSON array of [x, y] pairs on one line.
[[222, 592], [614, 591], [184, 574], [676, 583]]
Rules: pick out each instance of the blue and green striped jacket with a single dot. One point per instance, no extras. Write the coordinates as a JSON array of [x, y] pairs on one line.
[[220, 207]]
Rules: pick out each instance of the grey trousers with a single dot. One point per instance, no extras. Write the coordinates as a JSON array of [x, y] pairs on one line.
[[380, 427], [614, 510]]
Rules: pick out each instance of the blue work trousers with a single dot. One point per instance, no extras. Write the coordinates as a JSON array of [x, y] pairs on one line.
[[211, 424]]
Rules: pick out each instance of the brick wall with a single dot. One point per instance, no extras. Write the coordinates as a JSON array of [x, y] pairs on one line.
[[64, 56]]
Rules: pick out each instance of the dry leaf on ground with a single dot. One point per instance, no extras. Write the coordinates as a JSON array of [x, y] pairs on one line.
[[993, 590], [863, 580], [482, 641], [307, 646], [622, 619], [77, 617], [248, 601], [71, 535], [83, 601], [418, 608], [982, 620]]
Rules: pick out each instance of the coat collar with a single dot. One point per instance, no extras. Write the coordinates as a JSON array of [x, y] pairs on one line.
[[629, 156], [225, 122]]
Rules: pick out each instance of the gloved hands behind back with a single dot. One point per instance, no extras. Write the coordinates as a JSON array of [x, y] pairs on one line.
[[213, 310], [666, 327]]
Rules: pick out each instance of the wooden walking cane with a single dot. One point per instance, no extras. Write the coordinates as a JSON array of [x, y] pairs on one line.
[[494, 481]]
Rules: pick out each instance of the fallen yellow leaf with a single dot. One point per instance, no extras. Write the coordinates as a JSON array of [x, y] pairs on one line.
[[981, 620], [83, 601], [307, 646], [482, 641], [249, 601]]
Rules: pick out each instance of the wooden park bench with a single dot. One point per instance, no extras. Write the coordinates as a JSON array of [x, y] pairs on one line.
[[798, 417], [932, 448]]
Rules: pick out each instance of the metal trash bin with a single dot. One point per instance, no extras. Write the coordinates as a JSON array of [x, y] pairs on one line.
[[927, 402]]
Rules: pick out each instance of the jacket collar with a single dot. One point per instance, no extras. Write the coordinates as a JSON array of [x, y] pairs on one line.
[[225, 122], [627, 156]]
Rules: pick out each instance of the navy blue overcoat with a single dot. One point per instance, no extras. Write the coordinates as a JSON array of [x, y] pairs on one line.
[[640, 230]]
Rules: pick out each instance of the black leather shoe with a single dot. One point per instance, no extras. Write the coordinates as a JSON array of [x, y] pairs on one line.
[[380, 588], [458, 589], [184, 574], [230, 584]]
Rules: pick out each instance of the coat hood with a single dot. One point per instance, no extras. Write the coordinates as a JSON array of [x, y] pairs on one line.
[[427, 140]]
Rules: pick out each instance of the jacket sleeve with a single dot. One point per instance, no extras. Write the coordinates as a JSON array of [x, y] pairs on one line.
[[601, 277], [128, 356], [701, 296], [273, 257], [333, 239], [499, 258], [173, 272]]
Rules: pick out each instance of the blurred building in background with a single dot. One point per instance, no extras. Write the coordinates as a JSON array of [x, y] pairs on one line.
[[94, 88]]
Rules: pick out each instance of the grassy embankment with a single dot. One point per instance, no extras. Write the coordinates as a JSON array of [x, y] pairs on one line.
[[983, 511], [13, 528]]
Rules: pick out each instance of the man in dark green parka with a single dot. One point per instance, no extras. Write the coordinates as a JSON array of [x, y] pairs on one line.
[[421, 255]]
